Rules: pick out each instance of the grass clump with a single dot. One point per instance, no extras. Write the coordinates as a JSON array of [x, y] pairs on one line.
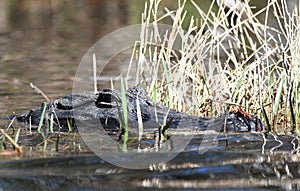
[[225, 59], [4, 135]]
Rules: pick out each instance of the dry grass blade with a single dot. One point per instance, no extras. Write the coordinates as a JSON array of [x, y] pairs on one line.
[[15, 144], [38, 91], [241, 58]]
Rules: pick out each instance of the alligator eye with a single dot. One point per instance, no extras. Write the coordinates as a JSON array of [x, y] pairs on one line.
[[104, 99]]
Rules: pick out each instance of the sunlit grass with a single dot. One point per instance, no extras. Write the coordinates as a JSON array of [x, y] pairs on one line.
[[124, 116], [223, 64], [213, 66], [41, 122], [13, 141]]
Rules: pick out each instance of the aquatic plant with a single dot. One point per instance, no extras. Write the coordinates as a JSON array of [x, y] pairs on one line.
[[14, 142], [226, 59]]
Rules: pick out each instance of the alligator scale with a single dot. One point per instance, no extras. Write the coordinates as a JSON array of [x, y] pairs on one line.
[[106, 108]]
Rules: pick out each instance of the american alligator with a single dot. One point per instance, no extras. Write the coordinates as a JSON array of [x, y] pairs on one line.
[[106, 107]]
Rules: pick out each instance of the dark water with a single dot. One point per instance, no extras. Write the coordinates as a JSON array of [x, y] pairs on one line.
[[43, 42], [235, 162]]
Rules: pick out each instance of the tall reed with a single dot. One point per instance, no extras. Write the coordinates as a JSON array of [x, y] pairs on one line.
[[224, 62]]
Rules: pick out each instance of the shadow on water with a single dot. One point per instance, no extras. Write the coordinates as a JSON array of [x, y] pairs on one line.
[[42, 42]]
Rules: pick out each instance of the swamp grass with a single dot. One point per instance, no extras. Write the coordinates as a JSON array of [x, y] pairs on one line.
[[20, 142], [226, 60], [222, 63], [43, 136]]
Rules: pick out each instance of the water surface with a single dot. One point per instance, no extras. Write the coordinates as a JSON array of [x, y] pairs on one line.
[[43, 42]]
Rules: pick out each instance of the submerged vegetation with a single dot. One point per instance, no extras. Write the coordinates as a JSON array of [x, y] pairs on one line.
[[224, 60]]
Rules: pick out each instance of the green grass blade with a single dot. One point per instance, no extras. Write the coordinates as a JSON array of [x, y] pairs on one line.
[[293, 118], [165, 128], [279, 94], [51, 122], [139, 116], [111, 84], [69, 125], [42, 120], [168, 79], [17, 135], [125, 115], [10, 123], [154, 94], [238, 87], [124, 104], [95, 73], [269, 128]]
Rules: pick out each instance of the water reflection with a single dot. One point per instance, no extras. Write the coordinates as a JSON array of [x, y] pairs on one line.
[[44, 41]]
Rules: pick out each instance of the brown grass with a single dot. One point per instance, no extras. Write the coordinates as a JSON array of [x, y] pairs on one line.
[[218, 64]]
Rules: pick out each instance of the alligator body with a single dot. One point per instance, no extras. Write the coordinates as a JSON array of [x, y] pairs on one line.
[[106, 108]]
